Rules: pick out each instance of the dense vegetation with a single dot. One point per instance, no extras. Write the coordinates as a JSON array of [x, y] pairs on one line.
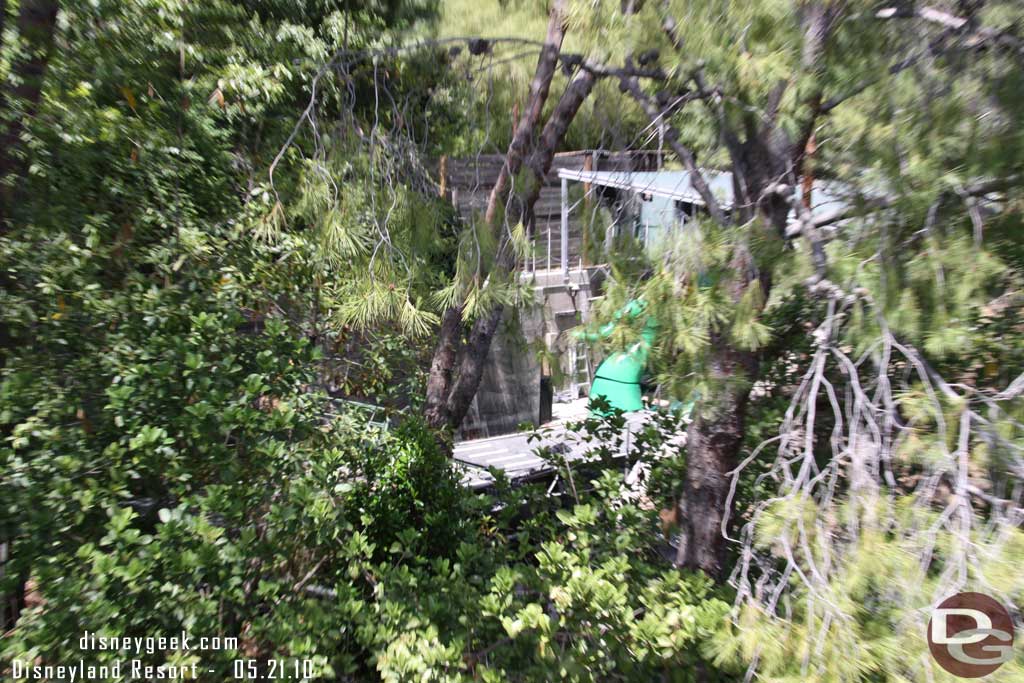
[[221, 236]]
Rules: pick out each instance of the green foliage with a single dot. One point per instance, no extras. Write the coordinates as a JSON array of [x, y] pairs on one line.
[[410, 487], [882, 594], [378, 366], [169, 460], [346, 544], [500, 78], [170, 457]]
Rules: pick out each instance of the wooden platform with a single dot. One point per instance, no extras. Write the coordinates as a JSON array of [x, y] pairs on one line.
[[515, 454]]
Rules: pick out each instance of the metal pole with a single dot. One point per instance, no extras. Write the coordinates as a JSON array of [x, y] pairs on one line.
[[565, 230], [547, 229], [585, 224]]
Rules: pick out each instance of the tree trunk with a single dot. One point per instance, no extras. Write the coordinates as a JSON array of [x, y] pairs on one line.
[[766, 157], [540, 86], [471, 366], [445, 408], [474, 354], [713, 445], [457, 368], [441, 367]]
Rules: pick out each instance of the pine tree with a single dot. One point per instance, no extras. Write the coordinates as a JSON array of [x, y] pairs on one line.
[[893, 423]]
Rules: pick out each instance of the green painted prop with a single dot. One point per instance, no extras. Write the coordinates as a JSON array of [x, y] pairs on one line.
[[618, 376]]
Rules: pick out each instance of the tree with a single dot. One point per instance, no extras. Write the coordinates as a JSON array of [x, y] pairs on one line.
[[476, 284], [19, 101], [913, 129], [128, 132], [457, 367], [765, 103]]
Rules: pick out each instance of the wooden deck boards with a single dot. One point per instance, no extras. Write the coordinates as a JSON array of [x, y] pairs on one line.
[[515, 454]]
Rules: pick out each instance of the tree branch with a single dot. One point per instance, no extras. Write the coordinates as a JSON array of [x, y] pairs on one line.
[[547, 62], [460, 384], [976, 189], [632, 86], [539, 161], [955, 24], [670, 27], [474, 356]]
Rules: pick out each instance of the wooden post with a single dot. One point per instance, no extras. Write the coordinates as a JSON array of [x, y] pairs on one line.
[[443, 172], [588, 166]]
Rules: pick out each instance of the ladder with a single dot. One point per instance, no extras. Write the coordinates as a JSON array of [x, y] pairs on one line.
[[579, 368]]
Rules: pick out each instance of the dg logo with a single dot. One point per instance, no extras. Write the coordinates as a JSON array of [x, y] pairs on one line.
[[970, 635]]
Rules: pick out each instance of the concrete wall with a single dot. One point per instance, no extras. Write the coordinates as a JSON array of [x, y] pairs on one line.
[[509, 393]]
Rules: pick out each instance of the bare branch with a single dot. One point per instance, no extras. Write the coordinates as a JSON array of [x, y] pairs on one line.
[[866, 430], [632, 86], [874, 204]]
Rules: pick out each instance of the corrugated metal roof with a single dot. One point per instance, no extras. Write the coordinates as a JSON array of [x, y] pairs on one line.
[[676, 185]]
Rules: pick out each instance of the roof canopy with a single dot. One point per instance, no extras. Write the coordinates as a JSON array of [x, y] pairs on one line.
[[677, 185]]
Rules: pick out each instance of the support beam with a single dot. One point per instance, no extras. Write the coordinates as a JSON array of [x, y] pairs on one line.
[[588, 166], [565, 230]]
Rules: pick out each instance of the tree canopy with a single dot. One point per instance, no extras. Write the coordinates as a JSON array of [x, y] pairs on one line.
[[223, 236]]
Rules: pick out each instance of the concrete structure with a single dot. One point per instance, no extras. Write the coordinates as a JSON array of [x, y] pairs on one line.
[[509, 393], [589, 200], [563, 281]]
